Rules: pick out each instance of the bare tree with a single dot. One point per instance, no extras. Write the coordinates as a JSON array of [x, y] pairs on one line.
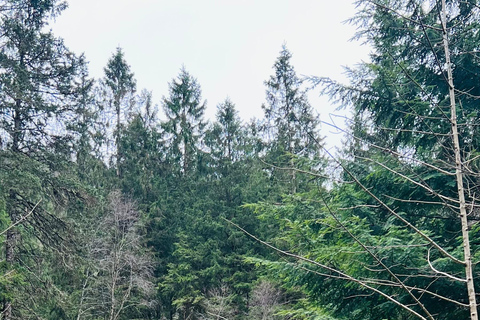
[[219, 304], [119, 278], [265, 301]]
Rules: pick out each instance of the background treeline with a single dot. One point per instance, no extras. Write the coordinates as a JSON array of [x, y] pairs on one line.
[[115, 207]]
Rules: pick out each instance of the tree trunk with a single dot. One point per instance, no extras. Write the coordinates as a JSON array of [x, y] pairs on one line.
[[459, 174], [9, 259], [11, 233], [117, 136], [9, 245]]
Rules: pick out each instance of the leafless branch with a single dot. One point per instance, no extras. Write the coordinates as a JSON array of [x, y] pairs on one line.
[[23, 218], [441, 272]]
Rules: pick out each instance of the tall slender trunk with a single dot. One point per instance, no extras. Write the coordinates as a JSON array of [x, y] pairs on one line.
[[9, 246], [17, 128], [11, 233], [293, 175], [82, 297], [186, 151], [459, 174], [117, 136]]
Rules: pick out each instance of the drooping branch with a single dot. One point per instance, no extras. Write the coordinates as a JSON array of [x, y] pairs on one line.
[[335, 271], [378, 260]]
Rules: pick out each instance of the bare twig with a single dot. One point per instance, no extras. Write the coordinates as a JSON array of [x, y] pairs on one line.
[[23, 218], [441, 272]]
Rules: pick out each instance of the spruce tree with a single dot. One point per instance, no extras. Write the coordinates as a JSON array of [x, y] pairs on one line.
[[290, 126], [120, 84], [225, 136], [185, 125]]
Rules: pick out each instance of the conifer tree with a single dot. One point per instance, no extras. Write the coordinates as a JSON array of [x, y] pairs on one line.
[[38, 92], [290, 127], [143, 154], [121, 85], [185, 125], [224, 138], [400, 230]]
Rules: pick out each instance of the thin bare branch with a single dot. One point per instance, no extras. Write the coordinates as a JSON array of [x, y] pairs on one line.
[[360, 206], [310, 173], [415, 131], [425, 187], [394, 213], [388, 284], [392, 152], [422, 202], [441, 272], [23, 218]]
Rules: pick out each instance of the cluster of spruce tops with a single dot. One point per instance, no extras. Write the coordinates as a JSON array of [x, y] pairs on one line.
[[108, 212]]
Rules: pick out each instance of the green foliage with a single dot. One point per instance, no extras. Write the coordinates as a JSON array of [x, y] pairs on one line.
[[290, 129], [75, 256], [185, 125], [118, 78]]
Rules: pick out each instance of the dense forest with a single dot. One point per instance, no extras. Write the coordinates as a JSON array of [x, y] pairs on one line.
[[114, 206]]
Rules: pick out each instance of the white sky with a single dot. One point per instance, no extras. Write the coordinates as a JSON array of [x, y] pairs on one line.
[[230, 46]]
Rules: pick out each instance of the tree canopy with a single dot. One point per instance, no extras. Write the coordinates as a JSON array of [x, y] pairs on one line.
[[115, 207]]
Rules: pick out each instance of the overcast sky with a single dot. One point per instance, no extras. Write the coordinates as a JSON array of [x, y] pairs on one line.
[[230, 46]]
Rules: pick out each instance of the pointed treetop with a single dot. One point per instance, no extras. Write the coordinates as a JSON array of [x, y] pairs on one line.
[[118, 75]]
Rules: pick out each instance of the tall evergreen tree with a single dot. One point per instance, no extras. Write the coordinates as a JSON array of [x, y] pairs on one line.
[[290, 126], [88, 128], [411, 173], [37, 76], [143, 154], [185, 125], [225, 135], [121, 84]]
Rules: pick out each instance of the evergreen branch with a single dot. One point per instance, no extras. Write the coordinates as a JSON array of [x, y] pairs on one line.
[[418, 85], [427, 292], [425, 187], [401, 15], [387, 283], [394, 213], [379, 261], [437, 60], [338, 272], [387, 207]]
